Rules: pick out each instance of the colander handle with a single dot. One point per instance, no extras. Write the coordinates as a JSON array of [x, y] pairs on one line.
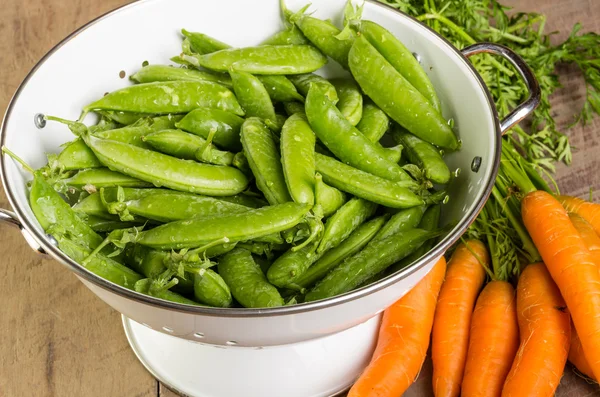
[[10, 218], [527, 107]]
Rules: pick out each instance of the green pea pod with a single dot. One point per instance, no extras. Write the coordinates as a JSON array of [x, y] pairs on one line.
[[293, 108], [203, 44], [394, 153], [158, 73], [241, 163], [302, 82], [209, 288], [103, 225], [430, 221], [132, 134], [168, 207], [367, 186], [401, 59], [125, 118], [351, 99], [103, 177], [328, 198], [246, 280], [162, 170], [75, 156], [187, 146], [424, 155], [289, 36], [244, 226], [92, 205], [322, 34], [397, 97], [280, 88], [374, 122], [171, 296], [147, 287], [402, 221], [252, 95], [169, 97], [350, 246], [50, 209], [264, 159], [345, 141], [271, 60], [99, 264], [298, 158], [226, 126], [350, 216], [291, 265], [373, 259]]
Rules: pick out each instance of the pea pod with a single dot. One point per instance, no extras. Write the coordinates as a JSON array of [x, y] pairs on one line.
[[290, 35], [248, 283], [298, 159], [264, 160], [75, 156], [92, 205], [124, 118], [271, 60], [394, 153], [103, 177], [209, 288], [50, 209], [168, 207], [280, 88], [397, 97], [158, 73], [325, 36], [244, 226], [424, 155], [401, 58], [402, 221], [145, 287], [367, 186], [168, 97], [302, 82], [162, 170], [293, 107], [291, 265], [429, 221], [103, 225], [350, 246], [226, 126], [350, 216], [203, 44], [328, 198], [252, 95], [374, 122], [351, 99], [99, 264], [187, 146], [345, 141], [132, 134], [373, 259]]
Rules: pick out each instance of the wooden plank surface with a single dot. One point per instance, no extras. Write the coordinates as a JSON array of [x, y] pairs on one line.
[[58, 339]]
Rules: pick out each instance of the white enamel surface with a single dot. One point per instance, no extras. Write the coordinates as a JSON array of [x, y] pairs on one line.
[[87, 66], [317, 368]]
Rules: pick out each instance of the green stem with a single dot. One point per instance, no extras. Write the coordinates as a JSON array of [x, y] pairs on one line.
[[508, 36], [515, 173], [526, 23], [19, 160], [491, 245]]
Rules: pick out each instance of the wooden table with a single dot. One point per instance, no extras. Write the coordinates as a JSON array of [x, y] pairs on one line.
[[58, 339]]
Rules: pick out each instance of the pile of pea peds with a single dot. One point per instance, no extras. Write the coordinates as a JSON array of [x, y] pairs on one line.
[[238, 177]]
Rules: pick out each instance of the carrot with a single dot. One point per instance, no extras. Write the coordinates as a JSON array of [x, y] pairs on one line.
[[545, 329], [577, 357], [403, 340], [586, 231], [452, 321], [588, 211], [493, 342], [570, 264]]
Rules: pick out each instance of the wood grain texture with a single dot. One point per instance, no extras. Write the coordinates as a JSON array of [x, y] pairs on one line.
[[58, 339]]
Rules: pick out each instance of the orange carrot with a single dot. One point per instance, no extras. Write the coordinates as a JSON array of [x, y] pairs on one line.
[[452, 321], [545, 329], [577, 356], [588, 211], [403, 340], [570, 264], [586, 231], [493, 342]]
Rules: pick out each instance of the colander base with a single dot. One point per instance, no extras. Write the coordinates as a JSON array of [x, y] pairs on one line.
[[318, 368]]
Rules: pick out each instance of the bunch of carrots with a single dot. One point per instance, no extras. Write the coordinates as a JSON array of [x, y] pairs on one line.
[[498, 331]]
